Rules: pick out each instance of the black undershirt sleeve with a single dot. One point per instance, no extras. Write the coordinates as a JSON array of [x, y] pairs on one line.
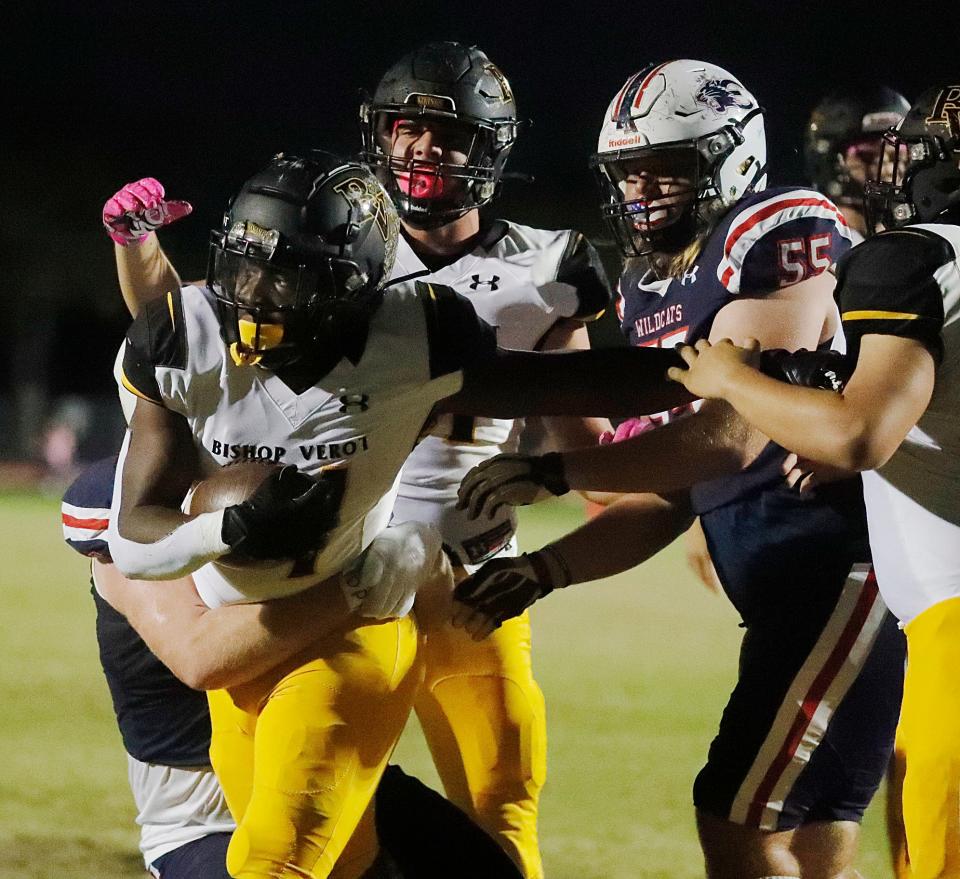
[[155, 338], [888, 286]]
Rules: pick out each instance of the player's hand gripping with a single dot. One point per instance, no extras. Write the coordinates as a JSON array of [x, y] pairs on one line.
[[138, 209], [505, 588], [516, 480], [712, 369], [289, 515]]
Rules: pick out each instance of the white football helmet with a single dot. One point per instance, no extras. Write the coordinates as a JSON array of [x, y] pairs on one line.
[[690, 121]]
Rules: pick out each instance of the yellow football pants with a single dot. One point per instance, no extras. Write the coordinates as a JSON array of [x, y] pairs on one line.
[[930, 735], [896, 835], [483, 717], [300, 752]]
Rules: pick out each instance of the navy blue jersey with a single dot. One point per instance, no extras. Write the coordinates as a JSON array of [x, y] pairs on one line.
[[767, 241], [161, 719]]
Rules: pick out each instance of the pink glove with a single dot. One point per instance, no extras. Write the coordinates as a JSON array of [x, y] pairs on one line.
[[630, 428], [139, 209]]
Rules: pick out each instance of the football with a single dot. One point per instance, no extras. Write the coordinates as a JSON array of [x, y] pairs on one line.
[[232, 484]]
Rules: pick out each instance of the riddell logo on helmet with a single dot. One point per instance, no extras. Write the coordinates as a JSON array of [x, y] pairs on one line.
[[946, 110], [615, 142]]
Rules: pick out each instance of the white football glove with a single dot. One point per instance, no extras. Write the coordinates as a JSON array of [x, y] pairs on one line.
[[382, 583], [516, 480]]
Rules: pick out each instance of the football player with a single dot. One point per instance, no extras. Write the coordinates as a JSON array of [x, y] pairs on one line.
[[806, 735], [293, 353], [841, 149], [842, 145], [896, 421], [438, 130], [185, 825]]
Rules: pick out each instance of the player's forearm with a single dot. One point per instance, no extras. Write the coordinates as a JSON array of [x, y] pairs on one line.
[[816, 424], [600, 382], [223, 647], [627, 532], [238, 643], [714, 442], [572, 433], [144, 272], [157, 543]]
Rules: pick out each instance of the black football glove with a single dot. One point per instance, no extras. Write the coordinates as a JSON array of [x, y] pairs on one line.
[[514, 480], [289, 515], [827, 370], [504, 588]]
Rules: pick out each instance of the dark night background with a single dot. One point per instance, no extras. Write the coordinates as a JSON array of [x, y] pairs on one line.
[[201, 94]]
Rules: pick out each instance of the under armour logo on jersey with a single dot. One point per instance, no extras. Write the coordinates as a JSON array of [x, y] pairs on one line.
[[477, 282], [689, 275], [350, 403]]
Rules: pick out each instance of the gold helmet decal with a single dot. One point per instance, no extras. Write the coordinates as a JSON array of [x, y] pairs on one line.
[[375, 205], [946, 110]]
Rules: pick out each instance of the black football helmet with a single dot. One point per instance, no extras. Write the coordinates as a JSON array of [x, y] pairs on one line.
[[839, 122], [304, 251], [458, 88], [922, 184]]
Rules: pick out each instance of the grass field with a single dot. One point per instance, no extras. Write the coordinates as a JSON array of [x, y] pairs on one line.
[[635, 671]]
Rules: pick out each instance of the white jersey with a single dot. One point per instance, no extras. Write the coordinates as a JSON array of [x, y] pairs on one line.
[[521, 281], [913, 501], [364, 417], [175, 806]]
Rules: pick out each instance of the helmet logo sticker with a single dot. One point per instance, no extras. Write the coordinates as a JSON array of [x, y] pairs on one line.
[[373, 202], [946, 110], [721, 94], [369, 198], [506, 95]]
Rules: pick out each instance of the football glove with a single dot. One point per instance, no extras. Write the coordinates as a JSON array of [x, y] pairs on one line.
[[504, 588], [827, 370], [138, 209], [383, 582], [516, 480], [288, 516]]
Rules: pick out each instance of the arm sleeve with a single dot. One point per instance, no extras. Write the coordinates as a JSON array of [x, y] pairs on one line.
[[457, 337], [784, 240], [889, 285]]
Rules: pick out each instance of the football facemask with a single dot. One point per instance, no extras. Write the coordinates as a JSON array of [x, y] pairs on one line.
[[269, 311], [438, 169], [452, 95], [649, 192], [917, 180]]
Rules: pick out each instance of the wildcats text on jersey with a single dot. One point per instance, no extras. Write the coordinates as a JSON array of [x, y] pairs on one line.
[[665, 319]]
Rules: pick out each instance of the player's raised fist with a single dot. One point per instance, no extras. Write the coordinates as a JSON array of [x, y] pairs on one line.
[[140, 208]]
